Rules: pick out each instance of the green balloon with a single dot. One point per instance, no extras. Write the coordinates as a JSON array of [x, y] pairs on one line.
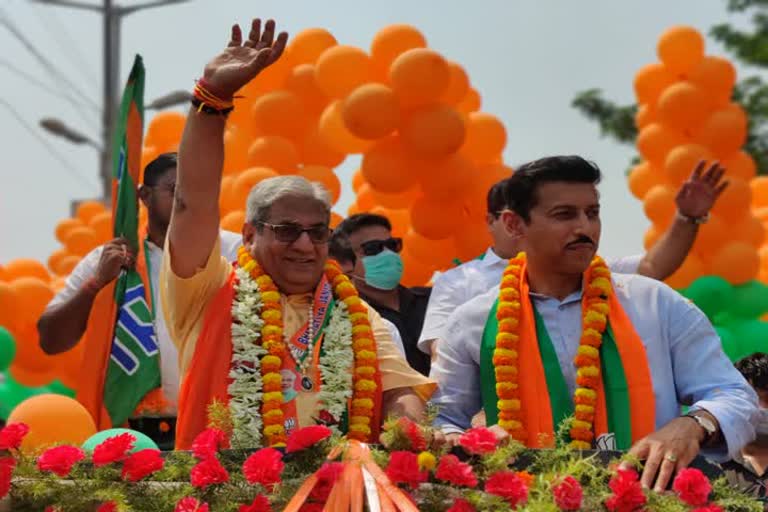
[[142, 441], [7, 348], [750, 300], [712, 294], [59, 388], [13, 393], [752, 336], [730, 342]]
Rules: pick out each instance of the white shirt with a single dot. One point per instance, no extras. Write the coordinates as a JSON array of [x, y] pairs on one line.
[[169, 364], [461, 284]]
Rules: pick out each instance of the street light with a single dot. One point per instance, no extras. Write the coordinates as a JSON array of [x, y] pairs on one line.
[[170, 100], [60, 129]]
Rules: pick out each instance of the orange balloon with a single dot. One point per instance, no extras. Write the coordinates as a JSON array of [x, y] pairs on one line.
[[716, 76], [55, 258], [65, 226], [475, 200], [267, 80], [393, 40], [691, 269], [326, 177], [371, 111], [387, 168], [759, 187], [681, 48], [9, 305], [415, 272], [436, 219], [341, 69], [711, 237], [33, 295], [246, 180], [81, 241], [458, 84], [485, 138], [306, 46], [450, 178], [148, 154], [435, 131], [358, 180], [651, 236], [226, 202], [734, 202], [165, 129], [438, 253], [650, 81], [682, 160], [470, 103], [58, 284], [87, 209], [683, 106], [26, 267], [353, 209], [301, 82], [750, 230], [419, 76], [316, 151], [399, 219], [659, 205], [53, 419], [275, 152], [737, 263], [236, 143], [101, 224], [33, 378], [279, 113], [397, 201], [472, 241], [335, 133], [67, 265], [761, 213], [365, 201], [740, 165], [646, 115], [642, 178], [335, 220], [725, 131], [233, 221], [655, 140]]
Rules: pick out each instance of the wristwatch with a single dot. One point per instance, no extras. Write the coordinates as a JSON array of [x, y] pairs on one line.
[[710, 429]]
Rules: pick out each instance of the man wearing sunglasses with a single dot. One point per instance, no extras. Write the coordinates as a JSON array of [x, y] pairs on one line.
[[377, 271]]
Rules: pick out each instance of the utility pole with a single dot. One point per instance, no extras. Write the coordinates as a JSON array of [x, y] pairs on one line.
[[112, 17]]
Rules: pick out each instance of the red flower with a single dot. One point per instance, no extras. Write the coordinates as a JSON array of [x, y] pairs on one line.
[[461, 505], [326, 478], [208, 442], [113, 449], [627, 493], [403, 468], [414, 434], [568, 494], [208, 472], [509, 486], [190, 504], [709, 508], [260, 504], [264, 467], [60, 459], [141, 464], [303, 438], [479, 441], [692, 486], [7, 465], [453, 471], [12, 435], [109, 506]]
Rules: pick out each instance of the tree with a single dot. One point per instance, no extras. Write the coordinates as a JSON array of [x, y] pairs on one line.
[[748, 47]]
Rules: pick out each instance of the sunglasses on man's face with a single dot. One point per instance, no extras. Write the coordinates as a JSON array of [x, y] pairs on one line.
[[289, 233], [374, 247]]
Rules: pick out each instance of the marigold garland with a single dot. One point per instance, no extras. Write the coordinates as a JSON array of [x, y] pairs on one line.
[[594, 321]]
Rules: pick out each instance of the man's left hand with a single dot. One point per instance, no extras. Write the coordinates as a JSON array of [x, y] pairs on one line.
[[697, 196], [668, 450]]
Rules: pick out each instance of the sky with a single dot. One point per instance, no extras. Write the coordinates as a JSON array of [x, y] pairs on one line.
[[527, 58]]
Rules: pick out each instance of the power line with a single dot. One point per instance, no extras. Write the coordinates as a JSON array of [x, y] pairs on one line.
[[71, 169]]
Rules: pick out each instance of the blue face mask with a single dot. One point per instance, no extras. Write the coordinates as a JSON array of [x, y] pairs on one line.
[[384, 270]]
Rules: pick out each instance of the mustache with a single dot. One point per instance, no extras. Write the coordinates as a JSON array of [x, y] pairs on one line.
[[583, 239]]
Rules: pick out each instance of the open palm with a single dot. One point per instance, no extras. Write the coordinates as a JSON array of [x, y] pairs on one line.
[[241, 61]]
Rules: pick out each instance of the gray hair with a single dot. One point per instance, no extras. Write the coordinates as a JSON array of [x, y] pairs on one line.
[[264, 194]]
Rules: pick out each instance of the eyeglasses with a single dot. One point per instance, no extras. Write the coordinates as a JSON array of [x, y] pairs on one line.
[[374, 247], [289, 233]]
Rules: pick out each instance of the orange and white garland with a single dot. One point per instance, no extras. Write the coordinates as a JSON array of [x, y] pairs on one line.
[[259, 348], [505, 356]]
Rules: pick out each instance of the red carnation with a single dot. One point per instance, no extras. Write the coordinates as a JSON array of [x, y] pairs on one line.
[[60, 459], [7, 465], [113, 449], [568, 494], [709, 508], [326, 478], [403, 468], [208, 442], [479, 441], [627, 492], [190, 504], [509, 486], [208, 472], [12, 435], [109, 506], [142, 464], [264, 467], [414, 434], [453, 471], [461, 505], [303, 438], [692, 486], [260, 504]]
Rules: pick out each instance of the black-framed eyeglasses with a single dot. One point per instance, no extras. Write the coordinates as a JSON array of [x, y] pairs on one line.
[[289, 233], [374, 247]]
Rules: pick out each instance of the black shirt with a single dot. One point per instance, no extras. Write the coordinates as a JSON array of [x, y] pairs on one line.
[[409, 321]]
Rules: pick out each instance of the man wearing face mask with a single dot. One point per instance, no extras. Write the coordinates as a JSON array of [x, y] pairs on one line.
[[377, 271]]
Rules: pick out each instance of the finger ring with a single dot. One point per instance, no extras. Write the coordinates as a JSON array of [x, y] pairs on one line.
[[671, 457]]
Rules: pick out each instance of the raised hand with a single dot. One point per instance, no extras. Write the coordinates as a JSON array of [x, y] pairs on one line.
[[697, 196], [241, 61]]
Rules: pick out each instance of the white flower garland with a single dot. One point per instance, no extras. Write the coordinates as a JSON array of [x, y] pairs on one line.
[[336, 361]]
